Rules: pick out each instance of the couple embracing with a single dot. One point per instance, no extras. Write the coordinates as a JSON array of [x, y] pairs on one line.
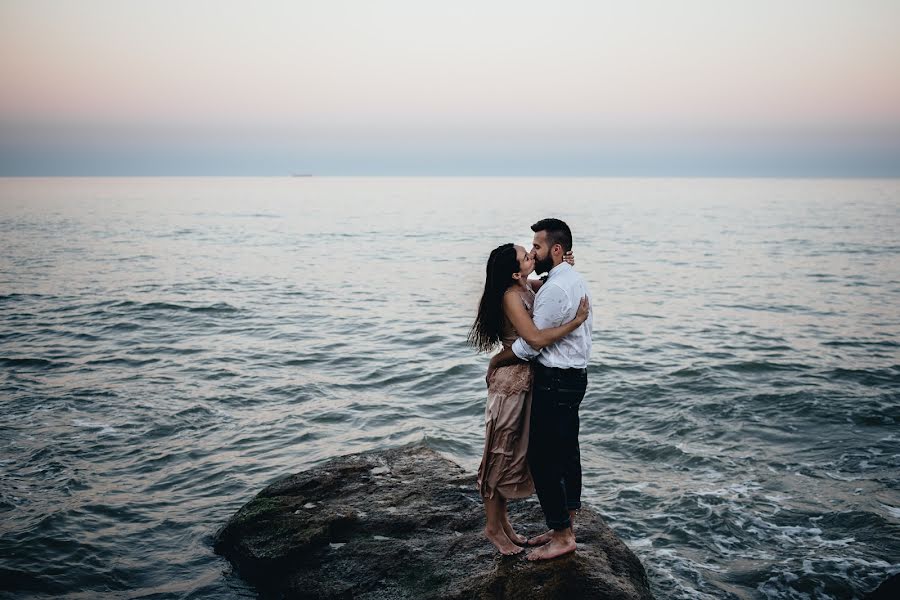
[[535, 386]]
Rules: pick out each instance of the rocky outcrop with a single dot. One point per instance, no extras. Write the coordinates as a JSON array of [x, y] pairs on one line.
[[888, 590], [407, 523]]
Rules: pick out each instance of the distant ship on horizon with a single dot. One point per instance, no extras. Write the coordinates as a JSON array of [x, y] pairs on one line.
[[301, 174]]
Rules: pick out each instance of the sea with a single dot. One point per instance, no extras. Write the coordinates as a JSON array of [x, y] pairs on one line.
[[170, 346]]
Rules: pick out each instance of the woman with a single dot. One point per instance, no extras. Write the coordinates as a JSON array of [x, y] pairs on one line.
[[503, 315]]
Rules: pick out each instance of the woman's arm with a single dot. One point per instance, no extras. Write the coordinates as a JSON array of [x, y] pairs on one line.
[[501, 359], [539, 338]]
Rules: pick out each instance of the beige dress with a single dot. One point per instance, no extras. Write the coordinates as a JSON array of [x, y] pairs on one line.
[[504, 465]]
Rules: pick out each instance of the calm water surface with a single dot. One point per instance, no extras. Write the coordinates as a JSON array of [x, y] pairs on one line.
[[170, 346]]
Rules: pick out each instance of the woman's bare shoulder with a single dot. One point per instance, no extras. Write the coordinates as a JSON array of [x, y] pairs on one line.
[[511, 296]]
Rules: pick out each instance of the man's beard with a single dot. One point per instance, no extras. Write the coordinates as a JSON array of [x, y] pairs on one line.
[[543, 265]]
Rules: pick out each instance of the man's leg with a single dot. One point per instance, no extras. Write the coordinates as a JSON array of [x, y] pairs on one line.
[[568, 391], [572, 392], [544, 458]]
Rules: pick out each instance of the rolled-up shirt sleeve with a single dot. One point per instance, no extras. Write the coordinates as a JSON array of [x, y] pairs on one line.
[[523, 350], [551, 309]]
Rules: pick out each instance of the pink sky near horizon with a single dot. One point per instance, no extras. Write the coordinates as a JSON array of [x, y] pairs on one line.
[[343, 71]]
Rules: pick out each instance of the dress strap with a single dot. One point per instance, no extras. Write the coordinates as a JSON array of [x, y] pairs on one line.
[[527, 297]]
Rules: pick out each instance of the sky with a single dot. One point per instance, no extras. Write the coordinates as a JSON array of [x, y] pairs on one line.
[[427, 87]]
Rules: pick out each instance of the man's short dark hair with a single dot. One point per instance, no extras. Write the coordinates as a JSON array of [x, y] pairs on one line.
[[557, 232]]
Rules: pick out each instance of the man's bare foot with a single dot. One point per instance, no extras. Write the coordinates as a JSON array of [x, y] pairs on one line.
[[515, 538], [557, 546], [540, 540], [545, 537], [502, 542]]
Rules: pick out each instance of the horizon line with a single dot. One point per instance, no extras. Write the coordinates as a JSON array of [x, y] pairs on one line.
[[451, 176]]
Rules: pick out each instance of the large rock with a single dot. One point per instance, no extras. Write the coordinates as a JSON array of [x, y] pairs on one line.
[[888, 590], [407, 523]]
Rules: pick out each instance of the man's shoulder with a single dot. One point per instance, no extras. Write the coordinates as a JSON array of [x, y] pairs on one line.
[[555, 284], [573, 277], [565, 281]]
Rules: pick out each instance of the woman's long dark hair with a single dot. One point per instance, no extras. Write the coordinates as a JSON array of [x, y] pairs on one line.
[[501, 265]]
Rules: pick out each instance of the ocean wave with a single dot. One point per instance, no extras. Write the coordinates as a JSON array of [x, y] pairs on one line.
[[867, 377], [135, 307], [33, 363], [740, 419], [862, 343], [122, 361], [760, 366]]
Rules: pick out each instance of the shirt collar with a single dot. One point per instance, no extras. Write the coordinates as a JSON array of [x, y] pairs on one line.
[[563, 266]]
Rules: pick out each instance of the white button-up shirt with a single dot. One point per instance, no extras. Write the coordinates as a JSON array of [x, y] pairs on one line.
[[555, 304]]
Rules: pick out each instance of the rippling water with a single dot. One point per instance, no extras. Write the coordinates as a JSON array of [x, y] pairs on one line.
[[170, 346]]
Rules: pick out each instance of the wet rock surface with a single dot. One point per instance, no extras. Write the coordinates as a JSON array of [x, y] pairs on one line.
[[407, 523], [888, 590]]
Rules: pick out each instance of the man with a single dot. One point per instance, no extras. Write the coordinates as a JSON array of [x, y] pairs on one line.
[[560, 381]]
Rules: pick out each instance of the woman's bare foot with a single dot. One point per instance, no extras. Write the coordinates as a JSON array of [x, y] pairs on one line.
[[502, 542], [557, 546], [515, 538]]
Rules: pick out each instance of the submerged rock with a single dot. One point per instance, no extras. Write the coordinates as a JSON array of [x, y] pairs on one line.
[[407, 523]]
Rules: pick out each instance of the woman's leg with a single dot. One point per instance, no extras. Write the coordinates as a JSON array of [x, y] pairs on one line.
[[514, 537], [495, 511]]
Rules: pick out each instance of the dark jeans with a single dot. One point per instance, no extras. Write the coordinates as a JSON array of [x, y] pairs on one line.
[[553, 453]]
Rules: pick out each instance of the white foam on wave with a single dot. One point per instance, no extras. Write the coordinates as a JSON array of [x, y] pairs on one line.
[[664, 515], [777, 498], [641, 542], [736, 490], [796, 535], [892, 511], [637, 487], [841, 543], [667, 567], [725, 543], [104, 428], [843, 564]]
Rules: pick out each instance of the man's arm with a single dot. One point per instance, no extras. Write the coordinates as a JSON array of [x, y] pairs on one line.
[[503, 358], [551, 308]]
